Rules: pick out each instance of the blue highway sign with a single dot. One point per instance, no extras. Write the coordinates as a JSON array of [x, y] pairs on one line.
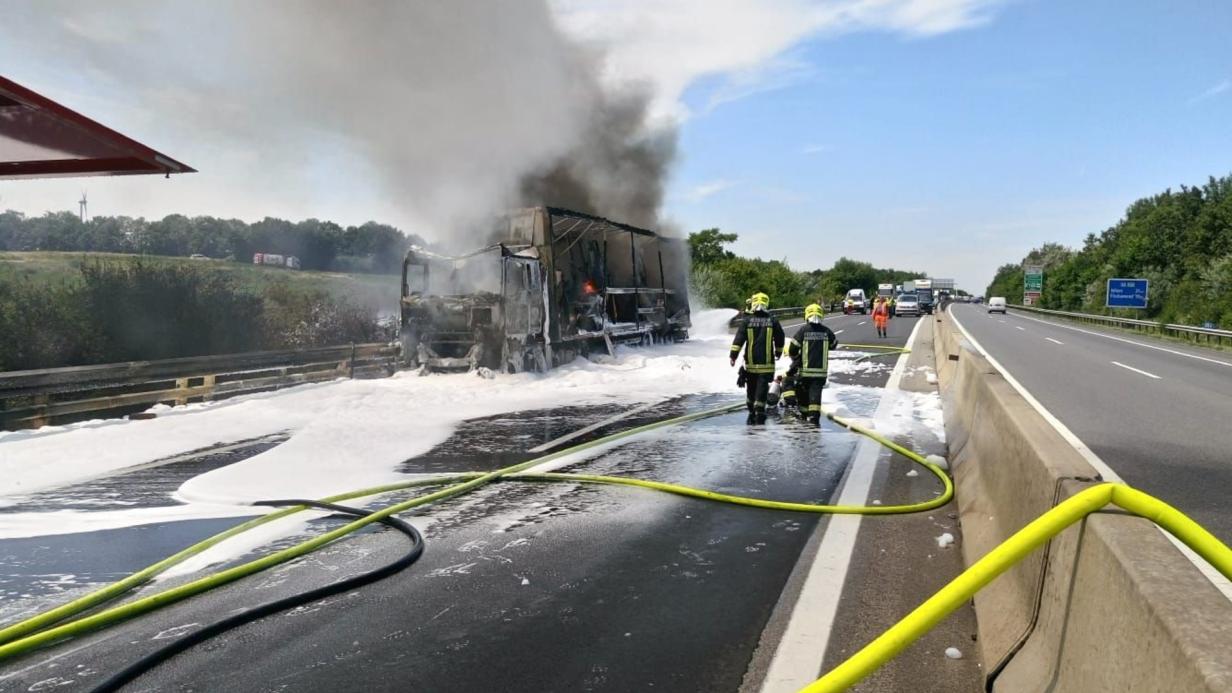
[[1127, 293]]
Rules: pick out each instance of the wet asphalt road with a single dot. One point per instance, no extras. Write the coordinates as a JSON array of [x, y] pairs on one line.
[[523, 586], [1158, 418]]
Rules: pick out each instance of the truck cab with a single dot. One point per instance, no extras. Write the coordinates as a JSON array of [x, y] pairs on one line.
[[481, 310]]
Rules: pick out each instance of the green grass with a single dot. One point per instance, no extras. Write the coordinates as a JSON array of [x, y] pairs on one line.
[[379, 290]]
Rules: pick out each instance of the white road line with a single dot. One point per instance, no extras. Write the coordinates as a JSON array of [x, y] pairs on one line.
[[1136, 370], [861, 322], [1001, 321], [838, 332], [1217, 579], [1128, 341], [594, 426], [1054, 341], [800, 653], [1019, 327]]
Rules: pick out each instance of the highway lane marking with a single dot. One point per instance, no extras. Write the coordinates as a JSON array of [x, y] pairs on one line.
[[1054, 341], [1217, 579], [593, 427], [1128, 341], [1001, 321], [801, 651], [1019, 327], [861, 323], [838, 331], [1136, 370]]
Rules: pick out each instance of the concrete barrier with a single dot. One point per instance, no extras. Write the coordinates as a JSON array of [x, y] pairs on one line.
[[1108, 605]]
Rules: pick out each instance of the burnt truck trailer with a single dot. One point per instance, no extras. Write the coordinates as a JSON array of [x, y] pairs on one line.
[[550, 285]]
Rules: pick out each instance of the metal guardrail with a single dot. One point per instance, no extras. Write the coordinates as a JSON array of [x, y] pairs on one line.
[[793, 312], [1204, 335], [33, 398], [776, 312]]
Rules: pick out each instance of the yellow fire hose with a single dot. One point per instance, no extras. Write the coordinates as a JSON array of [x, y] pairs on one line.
[[40, 630], [883, 350], [1012, 550], [36, 631]]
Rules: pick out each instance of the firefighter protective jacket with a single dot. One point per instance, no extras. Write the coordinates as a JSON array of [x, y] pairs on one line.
[[809, 350], [761, 337]]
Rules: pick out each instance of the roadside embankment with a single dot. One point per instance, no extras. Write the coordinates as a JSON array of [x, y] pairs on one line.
[[1109, 604]]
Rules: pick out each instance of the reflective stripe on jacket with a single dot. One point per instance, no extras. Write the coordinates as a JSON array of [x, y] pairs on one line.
[[761, 337], [810, 349]]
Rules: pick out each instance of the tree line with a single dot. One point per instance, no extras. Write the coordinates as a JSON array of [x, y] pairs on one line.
[[320, 245], [1180, 240], [722, 279], [136, 310]]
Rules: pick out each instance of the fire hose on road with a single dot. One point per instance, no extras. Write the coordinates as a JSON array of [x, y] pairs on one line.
[[42, 629]]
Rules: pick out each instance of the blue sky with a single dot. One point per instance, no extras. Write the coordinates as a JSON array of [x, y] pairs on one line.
[[946, 136], [955, 153]]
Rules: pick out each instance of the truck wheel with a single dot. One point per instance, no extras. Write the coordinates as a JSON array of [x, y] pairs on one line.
[[539, 359], [509, 362], [410, 346]]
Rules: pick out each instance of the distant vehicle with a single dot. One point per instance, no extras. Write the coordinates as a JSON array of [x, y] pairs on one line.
[[908, 304], [924, 294], [978, 299], [275, 260], [197, 256], [885, 290], [856, 301], [996, 304]]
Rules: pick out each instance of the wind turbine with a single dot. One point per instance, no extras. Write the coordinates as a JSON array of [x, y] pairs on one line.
[[82, 205]]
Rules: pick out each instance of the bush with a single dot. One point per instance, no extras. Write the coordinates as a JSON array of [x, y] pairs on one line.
[[139, 311]]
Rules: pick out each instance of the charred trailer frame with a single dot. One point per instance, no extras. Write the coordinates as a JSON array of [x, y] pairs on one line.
[[569, 284]]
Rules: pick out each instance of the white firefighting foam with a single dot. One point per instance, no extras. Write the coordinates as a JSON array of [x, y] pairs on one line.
[[344, 435]]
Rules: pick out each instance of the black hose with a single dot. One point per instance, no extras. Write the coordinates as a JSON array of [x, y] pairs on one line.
[[153, 659]]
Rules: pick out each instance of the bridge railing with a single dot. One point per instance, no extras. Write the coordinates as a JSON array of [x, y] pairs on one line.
[[33, 398], [1188, 332]]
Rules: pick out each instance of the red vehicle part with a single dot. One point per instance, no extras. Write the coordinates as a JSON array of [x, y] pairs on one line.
[[40, 138]]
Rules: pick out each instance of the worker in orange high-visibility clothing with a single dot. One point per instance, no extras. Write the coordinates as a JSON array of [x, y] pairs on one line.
[[881, 317]]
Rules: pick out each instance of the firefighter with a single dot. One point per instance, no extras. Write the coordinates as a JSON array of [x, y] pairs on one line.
[[760, 335], [881, 317], [809, 350], [788, 395]]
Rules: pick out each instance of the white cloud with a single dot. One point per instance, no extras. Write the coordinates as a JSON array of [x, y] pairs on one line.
[[701, 191], [743, 44], [1225, 85]]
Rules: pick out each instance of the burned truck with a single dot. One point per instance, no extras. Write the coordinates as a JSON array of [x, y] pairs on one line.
[[550, 285]]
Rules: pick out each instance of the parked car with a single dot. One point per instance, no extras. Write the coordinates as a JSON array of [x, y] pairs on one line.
[[908, 304], [996, 304]]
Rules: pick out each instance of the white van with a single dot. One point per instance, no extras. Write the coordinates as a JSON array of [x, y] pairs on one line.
[[856, 302], [996, 304]]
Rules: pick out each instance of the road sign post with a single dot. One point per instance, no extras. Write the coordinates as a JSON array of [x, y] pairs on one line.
[[1127, 293], [1032, 284]]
